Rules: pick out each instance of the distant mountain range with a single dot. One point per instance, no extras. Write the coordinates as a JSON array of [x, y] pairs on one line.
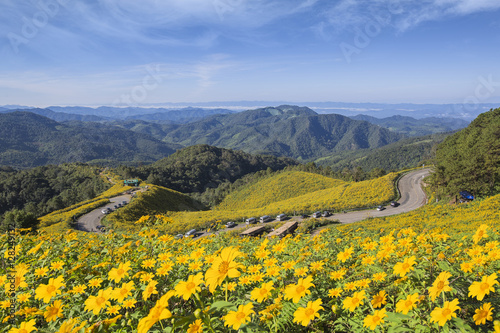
[[416, 127], [155, 115], [290, 131], [379, 110], [28, 139]]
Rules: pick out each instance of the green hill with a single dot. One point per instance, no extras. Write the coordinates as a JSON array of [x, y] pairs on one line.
[[415, 127], [28, 140], [406, 153], [155, 200], [278, 187], [470, 159], [291, 131], [196, 168]]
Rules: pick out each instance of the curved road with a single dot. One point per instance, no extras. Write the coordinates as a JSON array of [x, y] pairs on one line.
[[409, 186], [90, 221], [412, 197]]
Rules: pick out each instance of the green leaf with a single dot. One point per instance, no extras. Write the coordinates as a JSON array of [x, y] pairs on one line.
[[459, 323], [219, 305]]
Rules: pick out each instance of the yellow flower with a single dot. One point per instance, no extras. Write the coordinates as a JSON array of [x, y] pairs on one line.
[[47, 291], [372, 321], [442, 315], [480, 233], [79, 289], [96, 282], [129, 303], [335, 292], [196, 327], [150, 290], [157, 313], [114, 309], [54, 311], [262, 293], [483, 313], [222, 267], [353, 302], [305, 315], [466, 267], [405, 305], [147, 277], [379, 276], [189, 287], [301, 271], [121, 293], [379, 299], [273, 271], [337, 275], [69, 326], [148, 263], [25, 327], [23, 297], [238, 317], [480, 289], [57, 265], [116, 274], [404, 267], [99, 302], [297, 291], [440, 285], [343, 256]]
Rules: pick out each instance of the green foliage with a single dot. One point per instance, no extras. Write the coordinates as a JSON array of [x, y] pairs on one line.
[[42, 190], [276, 187], [28, 140], [406, 153], [470, 159], [155, 200], [415, 127], [291, 131], [197, 168], [17, 219]]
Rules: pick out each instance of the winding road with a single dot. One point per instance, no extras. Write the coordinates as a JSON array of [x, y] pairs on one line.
[[411, 197]]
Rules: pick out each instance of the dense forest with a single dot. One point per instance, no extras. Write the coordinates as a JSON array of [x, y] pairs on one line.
[[406, 153], [199, 167], [41, 190], [470, 159]]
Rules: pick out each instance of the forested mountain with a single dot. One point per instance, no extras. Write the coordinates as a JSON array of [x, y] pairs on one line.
[[470, 159], [406, 153], [291, 131], [415, 127], [47, 188], [161, 115], [195, 168], [28, 140], [60, 116]]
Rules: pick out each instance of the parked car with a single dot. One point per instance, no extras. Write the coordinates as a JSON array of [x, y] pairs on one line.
[[124, 203], [325, 213], [316, 214], [116, 206], [251, 220], [119, 205], [104, 211], [265, 218], [379, 208], [179, 236], [190, 233], [394, 204], [304, 216], [230, 224], [281, 217]]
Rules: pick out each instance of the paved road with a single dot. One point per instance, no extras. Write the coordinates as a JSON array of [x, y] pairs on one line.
[[412, 197], [90, 221]]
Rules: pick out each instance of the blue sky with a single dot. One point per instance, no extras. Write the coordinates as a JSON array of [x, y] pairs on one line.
[[128, 52]]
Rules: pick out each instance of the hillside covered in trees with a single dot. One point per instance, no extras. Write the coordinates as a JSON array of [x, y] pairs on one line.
[[28, 140], [195, 168], [470, 159]]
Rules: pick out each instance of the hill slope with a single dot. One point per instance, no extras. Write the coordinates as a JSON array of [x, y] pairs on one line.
[[291, 131], [470, 159], [406, 153], [28, 140], [278, 187], [415, 127], [196, 168]]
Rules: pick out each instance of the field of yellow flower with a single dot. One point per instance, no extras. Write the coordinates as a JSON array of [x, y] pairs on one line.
[[433, 270]]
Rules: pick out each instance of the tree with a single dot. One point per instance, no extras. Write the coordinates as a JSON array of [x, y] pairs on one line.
[[18, 219]]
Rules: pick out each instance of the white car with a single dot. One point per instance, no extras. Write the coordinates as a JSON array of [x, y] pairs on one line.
[[379, 208]]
